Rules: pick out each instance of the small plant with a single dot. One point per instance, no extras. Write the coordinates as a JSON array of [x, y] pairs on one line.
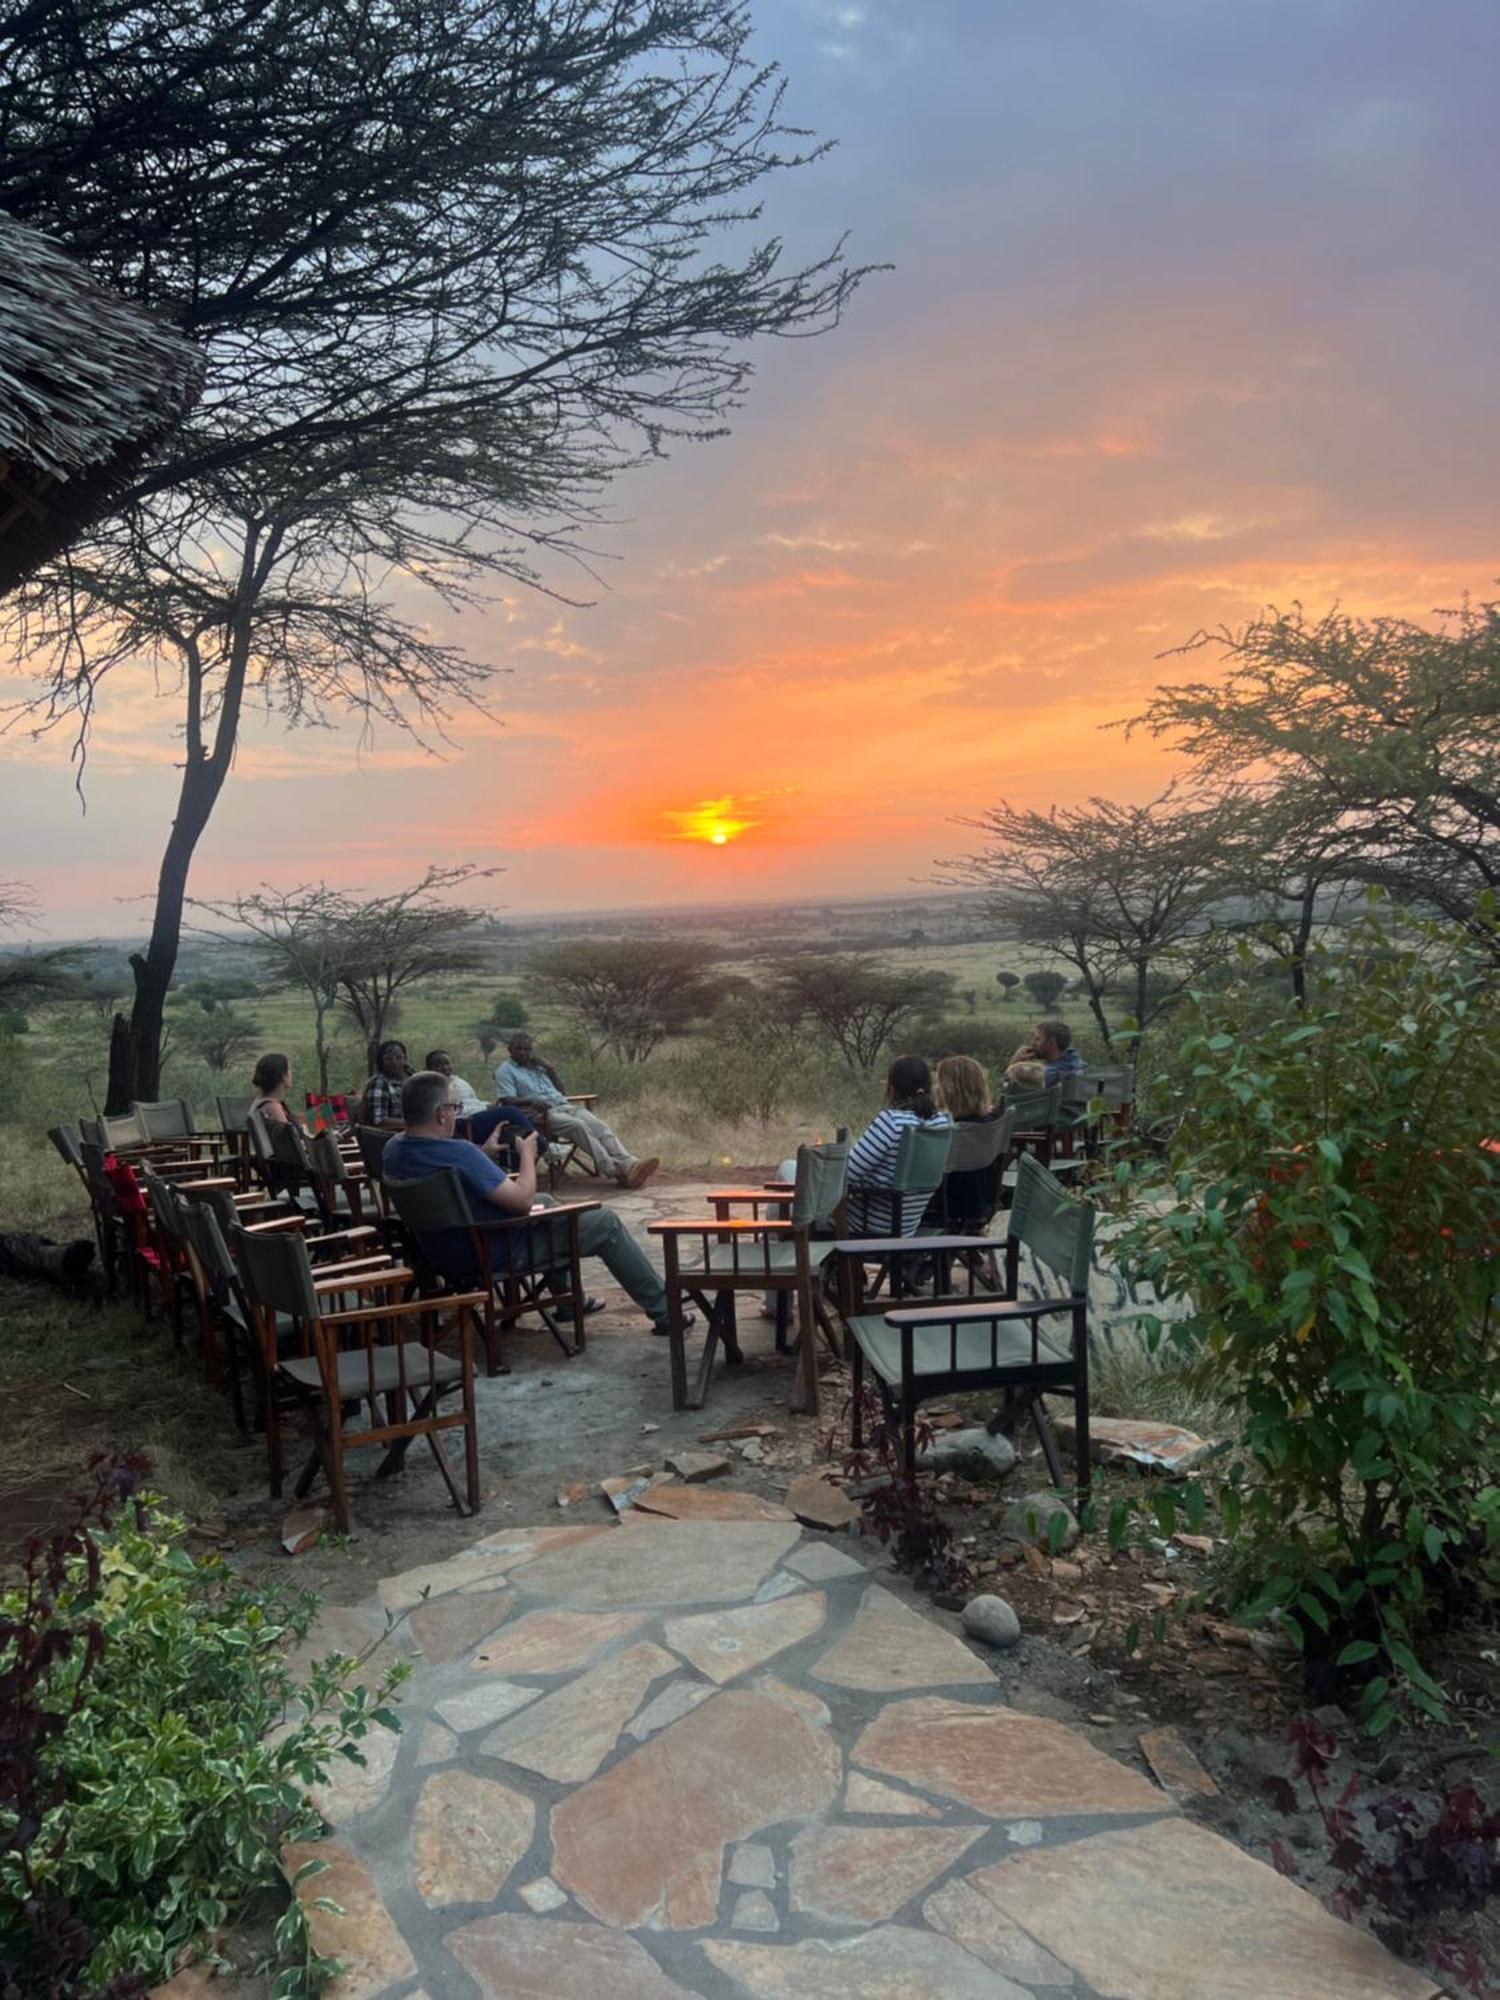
[[1400, 1868], [898, 1511], [154, 1750]]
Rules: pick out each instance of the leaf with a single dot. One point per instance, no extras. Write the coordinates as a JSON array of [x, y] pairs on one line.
[[1356, 1653]]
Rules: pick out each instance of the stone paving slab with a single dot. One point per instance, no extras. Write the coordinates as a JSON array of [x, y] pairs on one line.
[[666, 1758]]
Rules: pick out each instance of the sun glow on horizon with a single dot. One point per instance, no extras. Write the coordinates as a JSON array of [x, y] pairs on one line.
[[718, 822]]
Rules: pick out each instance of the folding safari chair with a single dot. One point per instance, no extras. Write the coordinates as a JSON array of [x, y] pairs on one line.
[[525, 1263], [961, 1343], [356, 1360]]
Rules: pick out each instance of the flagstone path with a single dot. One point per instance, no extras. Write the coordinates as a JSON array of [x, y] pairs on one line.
[[659, 1758]]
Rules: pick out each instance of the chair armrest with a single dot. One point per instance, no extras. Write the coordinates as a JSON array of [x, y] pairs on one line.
[[364, 1281], [583, 1097], [878, 1249], [444, 1302], [360, 1233], [977, 1313], [712, 1225], [771, 1192], [739, 1199], [294, 1223], [197, 1187], [372, 1265]]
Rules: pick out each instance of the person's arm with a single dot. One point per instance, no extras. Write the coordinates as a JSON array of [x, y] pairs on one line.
[[515, 1194]]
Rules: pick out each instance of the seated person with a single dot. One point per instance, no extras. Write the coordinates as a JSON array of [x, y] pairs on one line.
[[529, 1080], [1024, 1074], [963, 1091], [427, 1145], [380, 1100], [271, 1081], [468, 1098], [1052, 1043], [872, 1159], [481, 1119]]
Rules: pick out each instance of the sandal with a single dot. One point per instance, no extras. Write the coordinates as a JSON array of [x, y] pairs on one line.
[[565, 1310]]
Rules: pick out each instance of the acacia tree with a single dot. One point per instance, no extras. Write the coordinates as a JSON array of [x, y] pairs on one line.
[[299, 938], [629, 993], [389, 943], [859, 1003], [1134, 898], [453, 263], [1376, 742]]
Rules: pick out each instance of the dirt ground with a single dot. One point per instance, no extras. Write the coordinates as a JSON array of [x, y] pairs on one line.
[[76, 1376]]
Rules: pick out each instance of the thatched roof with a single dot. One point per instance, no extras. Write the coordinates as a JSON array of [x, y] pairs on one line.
[[87, 382]]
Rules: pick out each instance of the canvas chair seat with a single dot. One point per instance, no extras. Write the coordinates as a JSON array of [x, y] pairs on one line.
[[979, 1351], [355, 1372]]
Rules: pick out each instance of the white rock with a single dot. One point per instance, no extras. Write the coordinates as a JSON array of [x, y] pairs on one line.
[[992, 1620]]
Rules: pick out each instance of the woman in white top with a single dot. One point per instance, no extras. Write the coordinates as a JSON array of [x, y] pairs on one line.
[[872, 1159]]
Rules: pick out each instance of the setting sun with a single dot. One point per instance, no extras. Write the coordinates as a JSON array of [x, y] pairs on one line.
[[716, 821]]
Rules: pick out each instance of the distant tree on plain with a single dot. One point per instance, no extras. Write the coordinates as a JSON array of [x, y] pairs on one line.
[[1125, 894], [861, 1005], [629, 994]]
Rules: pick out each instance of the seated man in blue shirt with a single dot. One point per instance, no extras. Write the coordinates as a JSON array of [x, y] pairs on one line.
[[526, 1079], [428, 1145], [1052, 1045]]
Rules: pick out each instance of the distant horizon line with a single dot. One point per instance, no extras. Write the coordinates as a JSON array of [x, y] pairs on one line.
[[522, 920]]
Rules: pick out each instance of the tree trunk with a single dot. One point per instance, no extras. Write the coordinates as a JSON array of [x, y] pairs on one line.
[[321, 1044], [135, 1045], [1301, 940], [1096, 1008]]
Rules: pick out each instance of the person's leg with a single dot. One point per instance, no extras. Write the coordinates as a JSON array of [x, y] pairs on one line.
[[610, 1156], [565, 1124], [482, 1123], [602, 1234]]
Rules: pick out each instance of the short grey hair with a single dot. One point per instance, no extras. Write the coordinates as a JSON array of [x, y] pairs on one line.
[[422, 1095]]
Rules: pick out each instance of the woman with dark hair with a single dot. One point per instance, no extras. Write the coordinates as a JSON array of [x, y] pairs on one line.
[[872, 1159], [272, 1080]]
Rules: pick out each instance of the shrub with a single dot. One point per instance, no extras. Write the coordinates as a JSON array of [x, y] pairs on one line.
[[1046, 988], [509, 1010], [1008, 981], [987, 1042], [1333, 1219], [143, 1796], [750, 1063]]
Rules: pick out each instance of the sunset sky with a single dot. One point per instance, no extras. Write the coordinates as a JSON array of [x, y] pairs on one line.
[[1193, 308]]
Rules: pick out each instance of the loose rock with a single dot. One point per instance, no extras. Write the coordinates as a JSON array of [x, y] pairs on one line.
[[817, 1504], [992, 1620], [969, 1454], [694, 1466]]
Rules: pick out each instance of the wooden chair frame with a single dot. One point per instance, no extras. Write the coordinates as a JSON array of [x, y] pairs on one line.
[[391, 1376], [783, 1216]]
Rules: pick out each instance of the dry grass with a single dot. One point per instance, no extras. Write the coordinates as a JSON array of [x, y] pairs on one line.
[[688, 1139], [1127, 1380], [81, 1378]]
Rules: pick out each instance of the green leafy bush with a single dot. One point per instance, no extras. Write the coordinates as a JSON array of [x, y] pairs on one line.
[[1333, 1214], [160, 1755]]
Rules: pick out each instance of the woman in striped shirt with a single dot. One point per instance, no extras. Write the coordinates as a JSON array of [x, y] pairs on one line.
[[872, 1159]]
